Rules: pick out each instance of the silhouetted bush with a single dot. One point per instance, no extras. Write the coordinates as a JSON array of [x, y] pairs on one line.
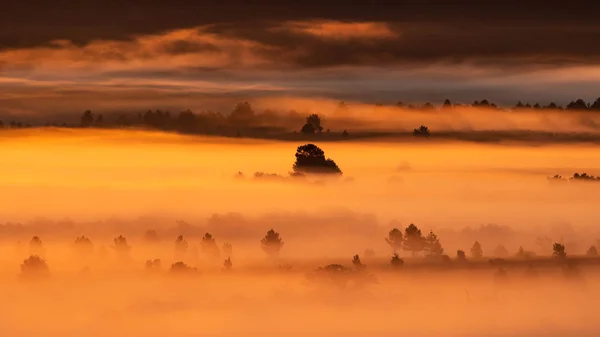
[[311, 159], [34, 267], [271, 243], [396, 261], [421, 131], [584, 177]]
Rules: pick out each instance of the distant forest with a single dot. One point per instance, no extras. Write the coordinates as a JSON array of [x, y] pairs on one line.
[[243, 120]]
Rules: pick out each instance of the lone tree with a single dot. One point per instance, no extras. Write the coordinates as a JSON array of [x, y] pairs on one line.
[[313, 124], [394, 239], [592, 252], [311, 159], [433, 245], [476, 250], [34, 267], [209, 246], [558, 251], [271, 243], [413, 239]]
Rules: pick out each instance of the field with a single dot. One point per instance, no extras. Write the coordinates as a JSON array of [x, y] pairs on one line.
[[151, 187]]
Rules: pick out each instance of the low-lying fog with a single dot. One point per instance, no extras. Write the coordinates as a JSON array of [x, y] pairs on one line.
[[62, 183]]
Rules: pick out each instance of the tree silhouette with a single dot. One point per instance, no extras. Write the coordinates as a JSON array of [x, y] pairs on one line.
[[153, 265], [592, 252], [460, 255], [413, 239], [151, 236], [396, 261], [313, 124], [308, 129], [36, 247], [83, 245], [578, 105], [34, 267], [558, 251], [87, 119], [447, 105], [357, 263], [181, 247], [311, 159], [476, 250], [242, 114], [271, 243], [421, 131], [121, 247], [433, 245], [394, 239], [180, 268], [209, 246], [500, 251]]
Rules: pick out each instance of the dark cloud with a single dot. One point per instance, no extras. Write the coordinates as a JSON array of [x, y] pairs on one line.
[[549, 32]]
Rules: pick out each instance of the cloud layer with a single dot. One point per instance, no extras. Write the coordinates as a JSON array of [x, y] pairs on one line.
[[377, 52]]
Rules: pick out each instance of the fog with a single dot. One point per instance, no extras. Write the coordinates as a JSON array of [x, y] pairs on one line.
[[59, 184]]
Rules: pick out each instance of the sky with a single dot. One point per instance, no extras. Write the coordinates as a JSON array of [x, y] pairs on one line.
[[69, 56]]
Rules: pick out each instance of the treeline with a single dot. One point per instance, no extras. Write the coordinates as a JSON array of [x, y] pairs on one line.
[[243, 120], [426, 248]]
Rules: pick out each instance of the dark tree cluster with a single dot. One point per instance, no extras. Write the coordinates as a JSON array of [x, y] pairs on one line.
[[422, 131], [576, 177], [311, 159]]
